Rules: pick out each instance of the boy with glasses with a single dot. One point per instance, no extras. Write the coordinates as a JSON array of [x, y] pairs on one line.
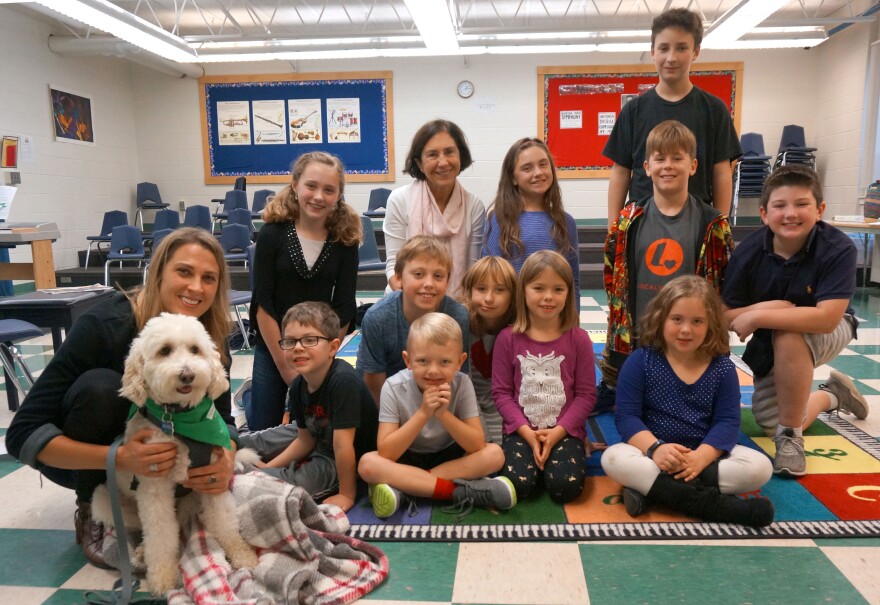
[[336, 417]]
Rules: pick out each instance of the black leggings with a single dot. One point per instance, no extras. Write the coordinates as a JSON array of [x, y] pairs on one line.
[[92, 412], [563, 474]]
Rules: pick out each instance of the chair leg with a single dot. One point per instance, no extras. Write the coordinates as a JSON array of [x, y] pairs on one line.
[[88, 251], [107, 273], [139, 218], [241, 328], [9, 354]]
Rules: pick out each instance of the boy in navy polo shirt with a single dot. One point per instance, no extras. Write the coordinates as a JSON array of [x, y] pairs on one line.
[[790, 284]]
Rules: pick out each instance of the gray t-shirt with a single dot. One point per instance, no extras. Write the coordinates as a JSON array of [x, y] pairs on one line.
[[401, 398], [665, 249]]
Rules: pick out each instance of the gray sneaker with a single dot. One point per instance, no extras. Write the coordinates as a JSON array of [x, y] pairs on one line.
[[495, 492], [790, 458], [850, 401]]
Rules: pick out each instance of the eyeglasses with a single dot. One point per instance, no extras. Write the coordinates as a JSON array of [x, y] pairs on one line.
[[307, 342]]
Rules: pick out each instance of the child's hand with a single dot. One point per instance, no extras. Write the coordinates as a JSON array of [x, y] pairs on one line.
[[671, 457], [285, 419], [433, 398], [745, 324], [548, 438], [696, 462], [594, 446], [444, 393], [531, 438], [261, 464], [343, 502]]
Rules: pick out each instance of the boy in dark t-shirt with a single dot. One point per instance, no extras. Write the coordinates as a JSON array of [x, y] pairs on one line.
[[336, 416], [676, 36]]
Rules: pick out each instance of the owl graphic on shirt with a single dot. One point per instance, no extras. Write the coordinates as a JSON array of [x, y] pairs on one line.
[[541, 393]]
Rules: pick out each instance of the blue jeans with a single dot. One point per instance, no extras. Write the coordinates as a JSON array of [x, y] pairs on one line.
[[268, 394]]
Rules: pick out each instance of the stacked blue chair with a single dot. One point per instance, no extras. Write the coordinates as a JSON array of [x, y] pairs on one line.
[[751, 171], [242, 298], [12, 331], [197, 216], [261, 197], [377, 203], [235, 239], [148, 198], [158, 236], [241, 216], [126, 244], [368, 252], [233, 199], [113, 218], [793, 148]]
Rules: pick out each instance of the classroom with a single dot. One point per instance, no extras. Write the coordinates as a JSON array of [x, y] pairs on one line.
[[148, 124]]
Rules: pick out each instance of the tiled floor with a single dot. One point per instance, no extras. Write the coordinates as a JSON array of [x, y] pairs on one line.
[[40, 563]]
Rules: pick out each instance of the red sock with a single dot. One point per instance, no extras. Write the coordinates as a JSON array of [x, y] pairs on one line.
[[443, 489]]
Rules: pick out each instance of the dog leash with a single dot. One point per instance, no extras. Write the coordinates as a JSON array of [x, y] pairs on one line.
[[123, 588]]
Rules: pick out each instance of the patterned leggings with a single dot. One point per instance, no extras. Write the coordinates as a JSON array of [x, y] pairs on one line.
[[563, 474]]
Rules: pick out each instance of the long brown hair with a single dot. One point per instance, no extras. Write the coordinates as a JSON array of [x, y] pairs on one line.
[[717, 340], [508, 206], [147, 303], [531, 269], [343, 224]]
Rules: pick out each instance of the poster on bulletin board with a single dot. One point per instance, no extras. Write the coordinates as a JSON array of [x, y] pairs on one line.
[[578, 107], [255, 126]]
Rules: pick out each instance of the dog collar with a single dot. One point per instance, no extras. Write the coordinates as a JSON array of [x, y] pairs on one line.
[[201, 423]]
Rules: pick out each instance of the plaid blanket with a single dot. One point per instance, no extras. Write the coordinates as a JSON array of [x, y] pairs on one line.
[[304, 556]]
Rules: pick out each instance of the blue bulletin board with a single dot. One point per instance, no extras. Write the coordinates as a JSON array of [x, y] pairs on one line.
[[255, 126]]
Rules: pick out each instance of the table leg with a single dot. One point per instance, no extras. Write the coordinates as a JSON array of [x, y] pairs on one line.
[[56, 339]]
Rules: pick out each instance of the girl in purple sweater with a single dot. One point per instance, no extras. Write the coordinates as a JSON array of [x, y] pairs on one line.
[[544, 382]]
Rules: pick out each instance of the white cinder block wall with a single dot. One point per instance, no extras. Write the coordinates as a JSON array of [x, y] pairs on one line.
[[148, 124], [71, 185]]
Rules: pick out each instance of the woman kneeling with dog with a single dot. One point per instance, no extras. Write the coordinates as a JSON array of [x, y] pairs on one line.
[[74, 411]]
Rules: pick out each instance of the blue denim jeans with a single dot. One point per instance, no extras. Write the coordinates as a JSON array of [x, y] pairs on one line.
[[268, 394]]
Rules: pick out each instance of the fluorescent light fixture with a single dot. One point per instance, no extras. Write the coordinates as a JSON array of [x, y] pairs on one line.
[[270, 45], [770, 43], [740, 20], [566, 35], [111, 19], [434, 23]]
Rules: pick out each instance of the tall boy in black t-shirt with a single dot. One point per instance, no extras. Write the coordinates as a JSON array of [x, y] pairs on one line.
[[675, 43]]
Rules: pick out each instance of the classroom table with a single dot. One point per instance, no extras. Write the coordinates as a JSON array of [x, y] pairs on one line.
[[865, 231], [54, 311], [39, 236]]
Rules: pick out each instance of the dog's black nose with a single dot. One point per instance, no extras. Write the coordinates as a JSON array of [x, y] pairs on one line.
[[186, 376]]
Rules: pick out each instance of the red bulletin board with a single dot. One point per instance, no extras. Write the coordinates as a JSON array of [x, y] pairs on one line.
[[597, 93]]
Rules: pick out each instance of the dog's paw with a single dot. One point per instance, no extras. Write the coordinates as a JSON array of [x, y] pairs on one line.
[[246, 460], [243, 557], [162, 578]]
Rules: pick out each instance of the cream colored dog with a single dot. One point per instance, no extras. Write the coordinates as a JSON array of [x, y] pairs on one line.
[[174, 363]]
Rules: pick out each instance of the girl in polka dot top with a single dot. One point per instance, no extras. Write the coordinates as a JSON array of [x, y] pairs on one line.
[[678, 414]]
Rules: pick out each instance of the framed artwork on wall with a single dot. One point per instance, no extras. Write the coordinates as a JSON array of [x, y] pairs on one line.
[[71, 117], [256, 125]]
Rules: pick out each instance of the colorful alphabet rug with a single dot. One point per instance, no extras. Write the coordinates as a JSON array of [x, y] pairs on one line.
[[838, 497]]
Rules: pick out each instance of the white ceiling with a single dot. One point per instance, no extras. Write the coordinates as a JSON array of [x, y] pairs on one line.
[[214, 20], [359, 24]]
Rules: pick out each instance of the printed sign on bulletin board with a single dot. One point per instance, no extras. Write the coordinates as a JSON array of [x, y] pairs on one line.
[[578, 107], [255, 126]]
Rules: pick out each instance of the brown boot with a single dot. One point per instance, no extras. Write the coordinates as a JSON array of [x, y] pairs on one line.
[[90, 534]]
